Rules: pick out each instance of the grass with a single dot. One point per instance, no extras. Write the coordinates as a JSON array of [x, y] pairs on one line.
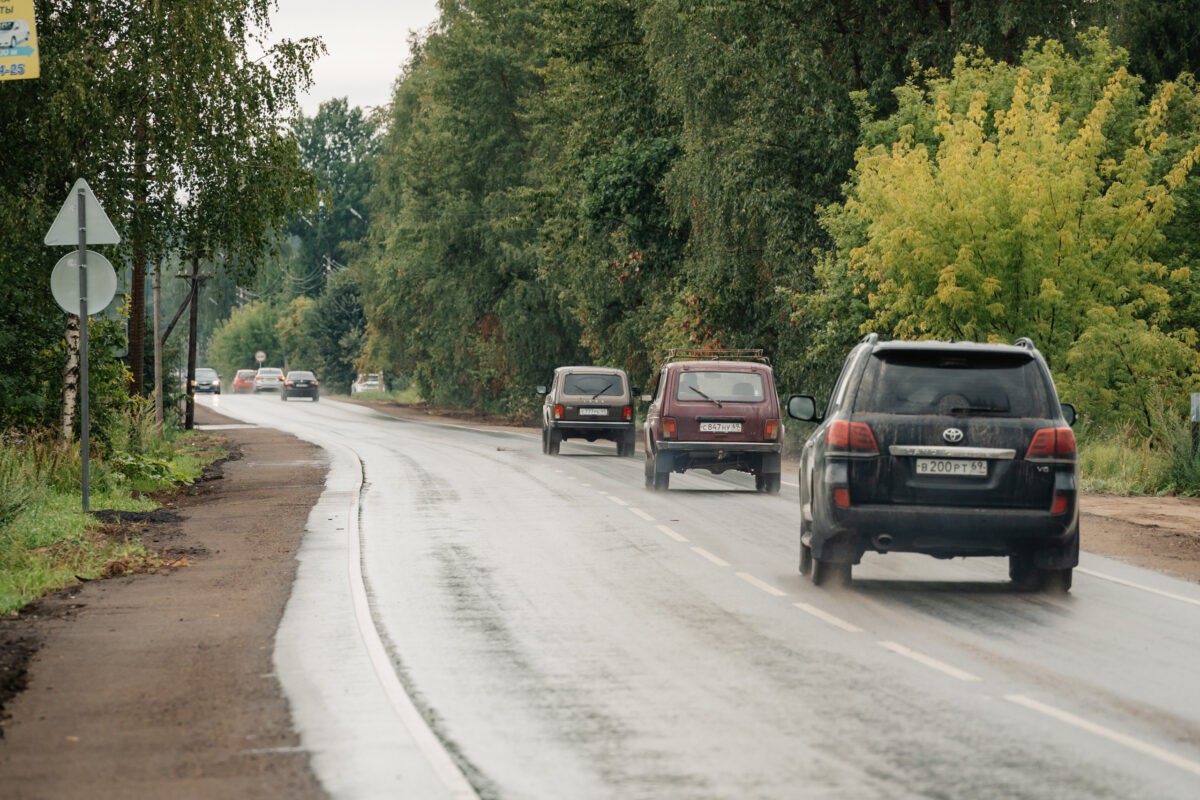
[[47, 542]]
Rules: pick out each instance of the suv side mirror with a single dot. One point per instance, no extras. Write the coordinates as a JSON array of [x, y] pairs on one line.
[[803, 408], [1068, 412], [540, 389], [634, 391]]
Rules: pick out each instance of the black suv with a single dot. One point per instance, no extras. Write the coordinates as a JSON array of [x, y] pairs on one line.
[[944, 448], [588, 403]]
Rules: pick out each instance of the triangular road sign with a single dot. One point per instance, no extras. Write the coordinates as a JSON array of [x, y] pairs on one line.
[[65, 230]]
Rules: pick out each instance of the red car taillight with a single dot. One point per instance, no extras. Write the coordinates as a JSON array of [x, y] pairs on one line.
[[668, 427], [771, 430], [1052, 443], [851, 437], [627, 413], [558, 411]]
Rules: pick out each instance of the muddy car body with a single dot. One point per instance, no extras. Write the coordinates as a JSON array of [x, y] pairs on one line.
[[944, 448]]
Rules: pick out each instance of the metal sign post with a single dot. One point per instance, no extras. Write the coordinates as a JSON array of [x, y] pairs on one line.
[[78, 202]]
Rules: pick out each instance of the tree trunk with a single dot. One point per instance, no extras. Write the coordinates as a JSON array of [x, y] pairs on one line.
[[70, 395]]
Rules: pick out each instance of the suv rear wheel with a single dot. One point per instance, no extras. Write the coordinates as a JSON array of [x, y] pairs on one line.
[[769, 484], [833, 573]]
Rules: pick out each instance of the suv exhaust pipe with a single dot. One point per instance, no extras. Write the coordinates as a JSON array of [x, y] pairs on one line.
[[882, 542]]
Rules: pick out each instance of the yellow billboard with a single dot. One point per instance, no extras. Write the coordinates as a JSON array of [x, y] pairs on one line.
[[18, 40]]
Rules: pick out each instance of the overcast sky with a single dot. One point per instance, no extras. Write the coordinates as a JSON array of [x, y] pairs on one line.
[[367, 42]]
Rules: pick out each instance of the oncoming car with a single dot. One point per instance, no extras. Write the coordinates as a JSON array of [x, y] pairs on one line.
[[944, 448], [268, 379], [207, 381], [588, 403], [300, 383]]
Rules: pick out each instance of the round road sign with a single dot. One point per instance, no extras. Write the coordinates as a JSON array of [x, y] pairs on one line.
[[101, 282]]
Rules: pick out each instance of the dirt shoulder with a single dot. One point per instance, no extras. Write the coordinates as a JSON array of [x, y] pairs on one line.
[[158, 685], [162, 684]]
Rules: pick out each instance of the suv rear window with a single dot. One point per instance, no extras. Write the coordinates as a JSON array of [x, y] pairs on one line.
[[593, 385], [736, 387], [931, 382]]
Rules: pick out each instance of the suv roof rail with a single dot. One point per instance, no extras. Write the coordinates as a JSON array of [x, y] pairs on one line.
[[1025, 342], [716, 354]]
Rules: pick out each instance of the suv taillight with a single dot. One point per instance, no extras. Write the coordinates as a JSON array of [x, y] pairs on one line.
[[668, 427], [771, 430], [627, 413], [851, 437], [558, 411], [1052, 443]]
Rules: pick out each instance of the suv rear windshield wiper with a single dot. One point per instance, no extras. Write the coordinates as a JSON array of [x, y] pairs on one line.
[[706, 397], [977, 410], [602, 391]]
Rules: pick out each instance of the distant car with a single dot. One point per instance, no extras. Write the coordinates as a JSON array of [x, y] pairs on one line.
[[588, 403], [207, 381], [715, 410], [13, 32], [372, 382], [944, 448], [243, 381], [268, 379], [300, 383]]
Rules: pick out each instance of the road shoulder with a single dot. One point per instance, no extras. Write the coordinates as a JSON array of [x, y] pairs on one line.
[[162, 685]]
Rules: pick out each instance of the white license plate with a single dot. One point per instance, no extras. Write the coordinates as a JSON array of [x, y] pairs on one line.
[[975, 468], [593, 412], [720, 427]]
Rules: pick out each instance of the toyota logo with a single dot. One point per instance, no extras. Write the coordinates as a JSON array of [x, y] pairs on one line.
[[952, 435]]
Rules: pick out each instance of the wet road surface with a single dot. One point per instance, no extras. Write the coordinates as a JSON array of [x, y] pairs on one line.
[[544, 627]]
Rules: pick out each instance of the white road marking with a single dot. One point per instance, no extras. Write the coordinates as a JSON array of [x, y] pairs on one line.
[[431, 747], [766, 587], [616, 500], [641, 513], [837, 622], [1106, 733], [720, 562], [677, 537], [1133, 585], [929, 661]]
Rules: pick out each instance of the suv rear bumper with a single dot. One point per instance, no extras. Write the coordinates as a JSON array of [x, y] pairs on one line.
[[948, 532], [721, 447], [578, 425]]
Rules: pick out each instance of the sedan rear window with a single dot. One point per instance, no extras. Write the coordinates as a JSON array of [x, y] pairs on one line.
[[593, 385], [735, 387], [931, 382]]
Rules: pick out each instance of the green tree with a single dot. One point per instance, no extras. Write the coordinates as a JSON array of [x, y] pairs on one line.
[[1029, 200]]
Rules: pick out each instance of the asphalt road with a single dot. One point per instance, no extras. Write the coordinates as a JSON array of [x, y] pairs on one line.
[[474, 618]]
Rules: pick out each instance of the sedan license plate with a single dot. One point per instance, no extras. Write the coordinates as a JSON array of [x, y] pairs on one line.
[[974, 468], [593, 412], [720, 427]]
